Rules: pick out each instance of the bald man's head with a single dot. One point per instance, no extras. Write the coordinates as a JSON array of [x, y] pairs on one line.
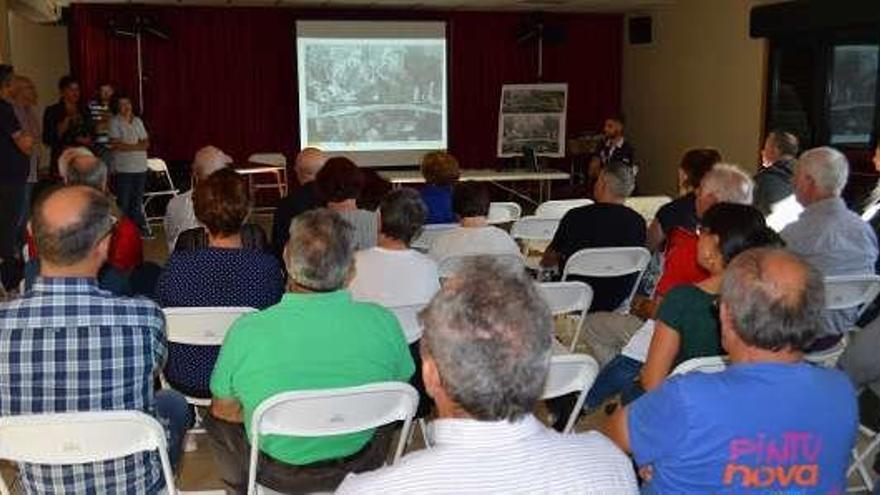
[[68, 223], [308, 163], [775, 299], [86, 170], [209, 160]]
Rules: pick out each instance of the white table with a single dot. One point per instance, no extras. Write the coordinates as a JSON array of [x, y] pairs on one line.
[[278, 172], [495, 177]]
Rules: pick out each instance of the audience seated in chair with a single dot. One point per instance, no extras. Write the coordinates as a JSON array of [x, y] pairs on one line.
[[828, 235], [682, 211], [474, 236], [315, 338], [441, 172], [770, 422], [179, 215], [392, 274], [395, 276], [340, 183], [224, 273], [486, 353], [607, 333], [686, 325], [70, 346], [78, 166], [773, 182], [605, 223], [252, 237], [304, 198]]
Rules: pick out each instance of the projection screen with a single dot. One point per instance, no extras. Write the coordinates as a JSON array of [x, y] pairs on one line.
[[372, 91]]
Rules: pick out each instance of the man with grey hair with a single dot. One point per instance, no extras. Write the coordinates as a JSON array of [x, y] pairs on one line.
[[308, 163], [180, 216], [605, 223], [770, 422], [317, 337], [827, 234], [485, 356]]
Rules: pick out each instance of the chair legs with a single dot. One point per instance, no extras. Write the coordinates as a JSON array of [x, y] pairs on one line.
[[861, 458]]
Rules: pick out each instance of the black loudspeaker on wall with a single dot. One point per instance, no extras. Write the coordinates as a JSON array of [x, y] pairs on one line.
[[640, 30]]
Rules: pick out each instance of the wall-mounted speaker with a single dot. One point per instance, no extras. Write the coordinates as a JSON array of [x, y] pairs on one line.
[[640, 30]]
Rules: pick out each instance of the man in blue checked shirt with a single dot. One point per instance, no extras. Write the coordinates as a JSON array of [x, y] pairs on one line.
[[67, 345]]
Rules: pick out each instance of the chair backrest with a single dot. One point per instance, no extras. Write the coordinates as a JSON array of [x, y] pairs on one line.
[[710, 364], [450, 264], [556, 209], [201, 326], [609, 262], [567, 297], [271, 159], [504, 212], [430, 233], [83, 437], [569, 373], [340, 411], [647, 206], [851, 291], [534, 228], [407, 316], [157, 165]]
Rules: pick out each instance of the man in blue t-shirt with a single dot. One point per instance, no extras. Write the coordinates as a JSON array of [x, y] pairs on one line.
[[770, 422]]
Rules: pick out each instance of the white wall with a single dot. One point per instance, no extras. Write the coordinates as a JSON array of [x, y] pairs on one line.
[[701, 83]]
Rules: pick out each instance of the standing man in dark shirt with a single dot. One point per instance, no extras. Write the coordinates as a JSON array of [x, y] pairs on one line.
[[308, 163], [773, 182], [613, 148], [16, 146], [67, 122], [606, 223]]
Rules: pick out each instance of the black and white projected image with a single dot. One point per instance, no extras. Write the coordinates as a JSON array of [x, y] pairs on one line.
[[539, 132], [361, 95], [533, 101]]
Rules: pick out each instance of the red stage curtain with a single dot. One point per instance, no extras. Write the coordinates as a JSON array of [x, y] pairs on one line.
[[227, 75]]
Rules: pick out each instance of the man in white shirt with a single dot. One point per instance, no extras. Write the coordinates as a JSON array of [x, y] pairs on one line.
[[179, 216], [392, 274], [486, 353], [474, 236]]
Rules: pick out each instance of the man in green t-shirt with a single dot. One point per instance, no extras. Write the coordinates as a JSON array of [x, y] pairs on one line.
[[315, 338]]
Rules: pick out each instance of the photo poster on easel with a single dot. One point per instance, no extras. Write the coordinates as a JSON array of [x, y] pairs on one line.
[[532, 116]]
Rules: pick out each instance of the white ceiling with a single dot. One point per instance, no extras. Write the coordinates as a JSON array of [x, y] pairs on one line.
[[523, 5]]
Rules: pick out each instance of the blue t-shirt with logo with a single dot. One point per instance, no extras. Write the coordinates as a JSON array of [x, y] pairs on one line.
[[754, 428]]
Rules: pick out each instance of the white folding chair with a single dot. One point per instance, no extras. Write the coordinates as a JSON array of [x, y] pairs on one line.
[[205, 326], [429, 234], [709, 364], [341, 411], [450, 264], [504, 212], [647, 206], [534, 228], [157, 166], [82, 437], [407, 316], [565, 298], [607, 263], [556, 209], [845, 292], [570, 373]]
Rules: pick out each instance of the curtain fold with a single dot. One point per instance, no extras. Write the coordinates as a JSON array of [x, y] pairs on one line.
[[227, 76]]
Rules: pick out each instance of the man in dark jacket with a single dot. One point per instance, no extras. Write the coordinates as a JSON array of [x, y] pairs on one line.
[[773, 182]]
